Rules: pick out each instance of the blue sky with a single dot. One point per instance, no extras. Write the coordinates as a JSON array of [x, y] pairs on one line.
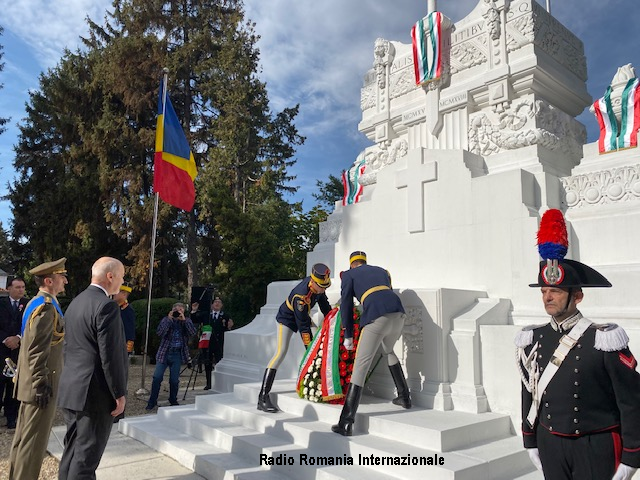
[[312, 53]]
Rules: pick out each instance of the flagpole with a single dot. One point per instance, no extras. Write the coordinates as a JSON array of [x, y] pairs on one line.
[[143, 390]]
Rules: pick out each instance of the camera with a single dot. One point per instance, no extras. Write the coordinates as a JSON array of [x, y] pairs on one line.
[[175, 314]]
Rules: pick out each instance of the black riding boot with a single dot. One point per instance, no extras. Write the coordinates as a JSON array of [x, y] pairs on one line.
[[208, 369], [264, 401], [404, 397], [348, 415]]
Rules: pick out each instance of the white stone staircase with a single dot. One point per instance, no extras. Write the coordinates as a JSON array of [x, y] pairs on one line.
[[223, 436]]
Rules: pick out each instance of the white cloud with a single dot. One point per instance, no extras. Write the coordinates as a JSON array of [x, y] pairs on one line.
[[317, 53], [51, 26]]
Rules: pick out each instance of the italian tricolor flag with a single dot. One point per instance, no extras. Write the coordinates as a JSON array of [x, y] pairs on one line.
[[427, 48], [351, 183], [630, 121], [608, 124], [613, 137]]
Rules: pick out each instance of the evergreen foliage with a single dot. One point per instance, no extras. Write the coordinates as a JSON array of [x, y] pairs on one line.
[[85, 157]]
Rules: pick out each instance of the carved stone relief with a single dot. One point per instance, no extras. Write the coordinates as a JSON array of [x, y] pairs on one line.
[[383, 52], [367, 97], [527, 25], [379, 157], [548, 126], [466, 55], [329, 231], [605, 187], [412, 330], [401, 82], [492, 17]]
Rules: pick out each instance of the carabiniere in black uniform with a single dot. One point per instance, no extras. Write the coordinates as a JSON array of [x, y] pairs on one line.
[[580, 387], [594, 391]]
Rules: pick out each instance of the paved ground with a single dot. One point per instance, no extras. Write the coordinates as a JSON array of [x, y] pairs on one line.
[[128, 459]]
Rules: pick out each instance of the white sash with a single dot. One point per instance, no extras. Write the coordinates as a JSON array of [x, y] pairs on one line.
[[567, 342]]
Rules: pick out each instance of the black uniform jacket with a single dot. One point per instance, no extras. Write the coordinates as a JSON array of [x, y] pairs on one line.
[[10, 325], [295, 311], [592, 391], [372, 287]]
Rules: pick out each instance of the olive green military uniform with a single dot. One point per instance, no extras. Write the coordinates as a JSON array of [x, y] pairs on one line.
[[39, 362]]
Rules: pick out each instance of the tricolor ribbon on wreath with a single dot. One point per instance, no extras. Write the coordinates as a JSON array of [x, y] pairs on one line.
[[612, 136], [327, 340]]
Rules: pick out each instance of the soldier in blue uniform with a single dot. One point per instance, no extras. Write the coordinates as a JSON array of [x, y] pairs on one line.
[[381, 323], [294, 316], [581, 390]]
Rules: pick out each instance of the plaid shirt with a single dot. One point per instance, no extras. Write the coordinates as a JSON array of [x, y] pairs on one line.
[[165, 332]]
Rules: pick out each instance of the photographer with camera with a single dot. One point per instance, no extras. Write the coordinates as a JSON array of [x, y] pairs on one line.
[[174, 331]]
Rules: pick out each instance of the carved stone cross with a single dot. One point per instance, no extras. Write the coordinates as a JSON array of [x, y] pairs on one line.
[[413, 178]]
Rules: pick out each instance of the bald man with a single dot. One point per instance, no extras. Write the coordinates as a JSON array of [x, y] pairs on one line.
[[94, 379]]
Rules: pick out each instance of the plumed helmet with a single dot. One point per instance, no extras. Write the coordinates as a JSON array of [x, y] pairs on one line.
[[555, 270]]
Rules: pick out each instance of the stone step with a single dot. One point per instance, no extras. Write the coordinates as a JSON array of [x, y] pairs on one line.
[[224, 421], [439, 431], [217, 449], [225, 436], [201, 457]]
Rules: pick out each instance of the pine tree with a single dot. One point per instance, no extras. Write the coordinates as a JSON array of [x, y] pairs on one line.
[[3, 121]]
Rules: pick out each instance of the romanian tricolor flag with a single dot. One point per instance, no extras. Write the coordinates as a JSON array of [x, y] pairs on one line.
[[174, 165]]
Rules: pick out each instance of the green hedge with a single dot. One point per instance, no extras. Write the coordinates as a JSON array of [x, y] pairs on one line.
[[159, 309]]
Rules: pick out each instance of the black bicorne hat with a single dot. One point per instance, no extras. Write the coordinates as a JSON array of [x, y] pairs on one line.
[[570, 273]]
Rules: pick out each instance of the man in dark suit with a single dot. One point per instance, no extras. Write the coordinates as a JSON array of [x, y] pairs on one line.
[[11, 309], [94, 379], [213, 325]]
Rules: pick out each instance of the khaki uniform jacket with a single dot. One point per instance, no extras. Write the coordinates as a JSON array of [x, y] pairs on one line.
[[40, 358]]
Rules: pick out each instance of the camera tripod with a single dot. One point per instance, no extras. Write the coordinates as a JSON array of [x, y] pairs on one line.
[[195, 364]]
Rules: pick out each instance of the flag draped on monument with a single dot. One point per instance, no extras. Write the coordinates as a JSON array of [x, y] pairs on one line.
[[612, 136], [174, 165], [351, 183], [427, 48], [630, 121]]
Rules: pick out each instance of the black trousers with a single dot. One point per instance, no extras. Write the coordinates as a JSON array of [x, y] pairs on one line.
[[589, 457], [84, 443], [11, 405]]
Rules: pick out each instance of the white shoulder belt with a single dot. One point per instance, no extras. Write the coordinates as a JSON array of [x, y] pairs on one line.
[[567, 342]]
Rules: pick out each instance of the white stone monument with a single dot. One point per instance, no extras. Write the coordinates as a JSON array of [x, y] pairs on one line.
[[458, 174], [456, 179]]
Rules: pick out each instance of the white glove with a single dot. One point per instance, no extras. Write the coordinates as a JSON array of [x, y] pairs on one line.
[[348, 343], [624, 472], [534, 456]]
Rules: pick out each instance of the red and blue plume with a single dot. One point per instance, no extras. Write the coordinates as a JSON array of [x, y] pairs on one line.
[[552, 236]]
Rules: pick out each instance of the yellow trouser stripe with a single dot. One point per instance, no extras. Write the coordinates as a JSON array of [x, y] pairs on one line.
[[279, 349], [371, 290]]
